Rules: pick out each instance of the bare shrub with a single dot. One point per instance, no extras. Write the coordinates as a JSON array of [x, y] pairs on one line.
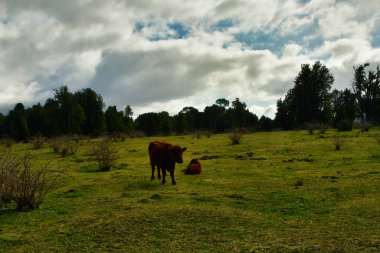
[[365, 126], [104, 155], [38, 142], [323, 128], [338, 142], [208, 134], [298, 183], [7, 142], [311, 127], [64, 146], [23, 184], [196, 134], [235, 136], [117, 136], [137, 134]]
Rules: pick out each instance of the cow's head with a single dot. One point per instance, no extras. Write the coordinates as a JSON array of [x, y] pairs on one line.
[[176, 153]]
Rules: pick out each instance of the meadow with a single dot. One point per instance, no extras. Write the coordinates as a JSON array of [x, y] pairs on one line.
[[281, 191]]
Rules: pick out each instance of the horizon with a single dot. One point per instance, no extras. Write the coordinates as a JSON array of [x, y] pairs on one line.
[[165, 56]]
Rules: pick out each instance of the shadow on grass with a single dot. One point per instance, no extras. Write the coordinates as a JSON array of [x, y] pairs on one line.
[[7, 242], [8, 210], [90, 169], [142, 185]]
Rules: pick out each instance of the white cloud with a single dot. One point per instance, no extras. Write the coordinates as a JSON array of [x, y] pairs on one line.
[[94, 43]]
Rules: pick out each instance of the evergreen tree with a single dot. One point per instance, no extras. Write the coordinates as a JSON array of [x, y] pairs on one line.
[[148, 123], [92, 104], [240, 115], [16, 124], [2, 121], [114, 120], [36, 120], [71, 114], [265, 123], [222, 102], [210, 115], [285, 112], [128, 120], [345, 107], [367, 90], [312, 100], [191, 118], [165, 123], [52, 118]]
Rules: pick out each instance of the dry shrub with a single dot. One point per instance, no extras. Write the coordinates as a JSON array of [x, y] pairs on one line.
[[298, 183], [323, 128], [38, 142], [7, 142], [104, 155], [21, 183], [208, 134], [365, 126], [235, 136], [64, 146], [338, 142], [199, 134], [137, 134], [311, 127], [118, 136], [196, 134]]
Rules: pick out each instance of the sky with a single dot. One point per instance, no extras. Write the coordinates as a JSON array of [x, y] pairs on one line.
[[163, 55]]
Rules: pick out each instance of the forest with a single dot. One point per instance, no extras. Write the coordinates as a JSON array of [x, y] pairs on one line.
[[310, 102]]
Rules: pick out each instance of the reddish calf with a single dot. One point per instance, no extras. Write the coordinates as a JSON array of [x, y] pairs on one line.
[[193, 168], [164, 156]]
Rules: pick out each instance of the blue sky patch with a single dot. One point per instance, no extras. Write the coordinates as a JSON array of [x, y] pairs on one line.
[[275, 40], [260, 40], [223, 24], [375, 41], [138, 27], [180, 30], [304, 1]]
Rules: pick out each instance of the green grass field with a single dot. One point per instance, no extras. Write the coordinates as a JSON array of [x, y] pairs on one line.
[[242, 202]]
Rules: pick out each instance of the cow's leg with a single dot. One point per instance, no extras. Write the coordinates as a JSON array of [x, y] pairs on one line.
[[163, 174], [152, 177], [172, 176], [158, 172]]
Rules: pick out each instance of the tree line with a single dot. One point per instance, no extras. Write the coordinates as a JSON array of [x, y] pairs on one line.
[[309, 101], [82, 113], [312, 101]]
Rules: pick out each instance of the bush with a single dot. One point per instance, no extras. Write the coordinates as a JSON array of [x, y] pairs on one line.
[[20, 183], [117, 136], [310, 127], [208, 134], [323, 128], [7, 142], [38, 142], [104, 155], [235, 136], [338, 142], [298, 183], [64, 146]]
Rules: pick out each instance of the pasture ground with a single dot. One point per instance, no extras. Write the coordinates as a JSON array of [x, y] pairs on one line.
[[274, 192]]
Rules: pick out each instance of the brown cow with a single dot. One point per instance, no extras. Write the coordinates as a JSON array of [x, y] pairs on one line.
[[164, 156]]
